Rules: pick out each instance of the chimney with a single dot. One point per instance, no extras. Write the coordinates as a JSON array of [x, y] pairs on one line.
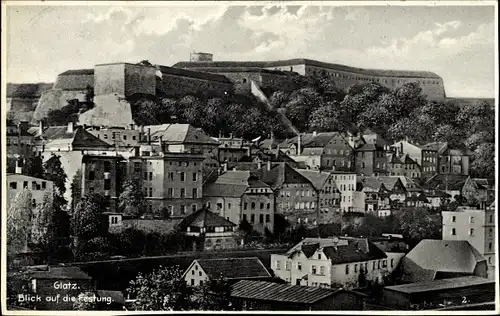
[[272, 140], [298, 145], [149, 136], [70, 128], [19, 169], [259, 165], [40, 128], [268, 165]]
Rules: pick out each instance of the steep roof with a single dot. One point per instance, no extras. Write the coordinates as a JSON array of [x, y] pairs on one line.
[[204, 218], [234, 268], [310, 140], [309, 62], [372, 183], [280, 174], [389, 181], [268, 291], [179, 134], [440, 147], [79, 137], [317, 178], [445, 256]]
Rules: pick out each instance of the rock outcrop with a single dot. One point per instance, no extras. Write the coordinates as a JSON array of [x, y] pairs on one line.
[[109, 110]]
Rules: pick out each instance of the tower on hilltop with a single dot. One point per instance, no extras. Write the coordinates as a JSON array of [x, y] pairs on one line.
[[201, 57]]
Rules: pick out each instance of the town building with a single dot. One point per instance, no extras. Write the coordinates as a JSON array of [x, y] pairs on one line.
[[209, 231], [121, 138], [19, 139], [170, 180], [250, 295], [322, 151], [101, 175], [375, 195], [240, 195], [396, 188], [434, 294], [329, 194], [371, 160], [48, 281], [425, 156], [402, 165], [332, 263], [232, 149], [351, 200], [475, 226], [18, 182], [295, 196], [441, 259], [70, 143], [230, 269], [480, 190]]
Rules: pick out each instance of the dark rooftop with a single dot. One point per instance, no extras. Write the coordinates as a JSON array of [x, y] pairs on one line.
[[61, 273], [309, 62], [234, 268], [77, 72], [205, 218], [268, 291], [443, 284]]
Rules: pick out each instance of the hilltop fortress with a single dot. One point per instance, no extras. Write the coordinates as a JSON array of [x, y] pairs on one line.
[[113, 83]]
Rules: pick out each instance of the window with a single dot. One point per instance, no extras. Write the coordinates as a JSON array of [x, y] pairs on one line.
[[44, 185], [170, 192], [252, 218], [392, 262], [195, 177], [33, 203], [278, 265], [183, 209], [299, 266], [268, 218], [107, 166], [91, 175], [346, 269], [150, 176], [378, 264], [107, 184], [491, 218], [183, 176], [192, 281], [193, 208], [268, 206], [471, 219], [183, 192], [13, 185], [195, 193], [356, 268], [453, 219], [261, 218], [453, 231], [384, 263], [171, 176], [253, 205], [261, 205], [150, 192], [313, 269], [322, 270], [137, 167], [490, 246], [319, 256], [287, 265], [471, 232], [491, 232], [245, 205]]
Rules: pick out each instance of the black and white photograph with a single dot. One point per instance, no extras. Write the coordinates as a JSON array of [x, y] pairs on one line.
[[277, 156]]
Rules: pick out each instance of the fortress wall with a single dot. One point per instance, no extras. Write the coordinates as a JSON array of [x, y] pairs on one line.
[[298, 68], [179, 86], [55, 99], [109, 79], [74, 81], [139, 79]]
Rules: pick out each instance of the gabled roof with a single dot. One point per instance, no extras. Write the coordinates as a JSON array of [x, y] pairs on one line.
[[455, 256], [323, 242], [309, 140], [372, 183], [234, 268], [79, 137], [317, 178], [179, 134], [484, 183], [390, 181], [204, 218], [440, 147], [77, 72], [280, 173]]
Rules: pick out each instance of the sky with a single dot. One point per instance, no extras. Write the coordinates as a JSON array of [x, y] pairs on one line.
[[456, 42]]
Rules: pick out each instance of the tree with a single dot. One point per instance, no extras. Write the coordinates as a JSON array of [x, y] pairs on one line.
[[301, 103], [19, 219], [163, 289], [97, 248], [53, 171], [76, 189], [325, 118], [450, 134], [89, 95], [85, 222], [483, 161], [131, 200], [417, 224], [85, 302], [212, 295], [41, 229], [33, 167], [18, 282]]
